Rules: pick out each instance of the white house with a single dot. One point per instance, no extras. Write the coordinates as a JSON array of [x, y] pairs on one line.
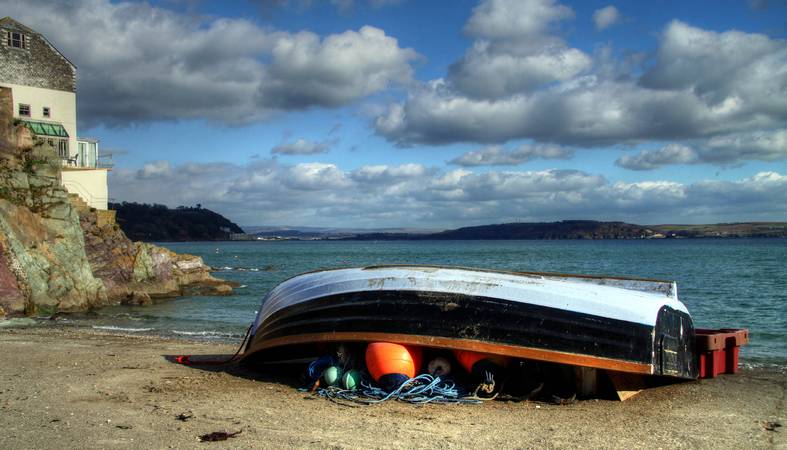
[[43, 86]]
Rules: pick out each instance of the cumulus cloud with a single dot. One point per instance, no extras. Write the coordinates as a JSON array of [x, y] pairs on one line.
[[606, 17], [763, 146], [495, 155], [515, 19], [722, 151], [308, 71], [701, 87], [303, 147], [512, 51], [268, 192], [654, 159], [140, 63]]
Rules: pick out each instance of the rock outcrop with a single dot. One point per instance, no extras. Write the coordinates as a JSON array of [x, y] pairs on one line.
[[55, 257], [137, 272]]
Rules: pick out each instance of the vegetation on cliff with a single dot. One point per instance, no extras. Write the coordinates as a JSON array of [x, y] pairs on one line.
[[144, 222]]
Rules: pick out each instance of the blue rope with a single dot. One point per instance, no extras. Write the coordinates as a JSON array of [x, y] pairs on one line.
[[419, 390]]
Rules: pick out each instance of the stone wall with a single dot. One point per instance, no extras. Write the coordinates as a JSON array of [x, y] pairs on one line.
[[39, 65]]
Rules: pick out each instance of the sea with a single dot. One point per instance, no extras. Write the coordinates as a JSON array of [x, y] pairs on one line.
[[725, 283]]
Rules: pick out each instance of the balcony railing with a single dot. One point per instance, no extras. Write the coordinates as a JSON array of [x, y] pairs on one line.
[[75, 162], [87, 156]]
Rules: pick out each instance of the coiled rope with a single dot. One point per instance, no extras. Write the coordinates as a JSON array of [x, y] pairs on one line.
[[421, 389]]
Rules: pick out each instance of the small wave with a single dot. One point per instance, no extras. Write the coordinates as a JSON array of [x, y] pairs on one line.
[[217, 334], [18, 322], [244, 269], [243, 286], [128, 330]]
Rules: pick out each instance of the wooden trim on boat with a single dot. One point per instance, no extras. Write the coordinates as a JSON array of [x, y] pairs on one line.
[[460, 344]]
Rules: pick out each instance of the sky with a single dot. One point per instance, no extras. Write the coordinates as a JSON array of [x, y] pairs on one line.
[[434, 114]]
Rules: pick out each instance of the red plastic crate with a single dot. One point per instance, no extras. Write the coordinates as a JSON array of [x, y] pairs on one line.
[[718, 350]]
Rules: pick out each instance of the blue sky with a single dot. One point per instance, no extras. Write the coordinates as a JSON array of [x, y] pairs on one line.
[[397, 113]]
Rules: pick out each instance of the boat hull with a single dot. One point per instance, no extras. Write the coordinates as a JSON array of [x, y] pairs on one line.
[[458, 317]]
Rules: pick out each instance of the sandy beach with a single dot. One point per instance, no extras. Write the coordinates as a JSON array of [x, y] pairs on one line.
[[69, 388]]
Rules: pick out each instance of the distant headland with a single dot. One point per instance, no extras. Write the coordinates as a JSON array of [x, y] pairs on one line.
[[565, 229], [158, 223]]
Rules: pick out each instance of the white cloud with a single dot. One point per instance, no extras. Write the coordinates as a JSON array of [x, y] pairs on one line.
[[513, 51], [302, 147], [733, 70], [722, 150], [606, 17], [315, 177], [268, 192], [154, 169], [653, 159], [759, 145], [490, 73], [140, 63], [702, 88], [385, 173], [307, 71], [515, 19], [495, 155]]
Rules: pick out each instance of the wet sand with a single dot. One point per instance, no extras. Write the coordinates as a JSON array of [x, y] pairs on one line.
[[68, 388]]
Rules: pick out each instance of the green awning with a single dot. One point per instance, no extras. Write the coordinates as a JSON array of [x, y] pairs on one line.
[[46, 129]]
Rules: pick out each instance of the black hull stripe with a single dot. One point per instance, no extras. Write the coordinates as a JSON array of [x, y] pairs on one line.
[[459, 316]]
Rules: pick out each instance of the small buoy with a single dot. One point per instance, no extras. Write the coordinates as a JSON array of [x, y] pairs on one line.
[[332, 375], [391, 364], [438, 367], [468, 359], [351, 379]]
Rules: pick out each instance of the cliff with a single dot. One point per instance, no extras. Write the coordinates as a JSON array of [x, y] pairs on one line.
[[54, 255], [158, 223]]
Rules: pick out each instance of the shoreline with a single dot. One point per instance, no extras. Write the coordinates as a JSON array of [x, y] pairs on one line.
[[67, 387]]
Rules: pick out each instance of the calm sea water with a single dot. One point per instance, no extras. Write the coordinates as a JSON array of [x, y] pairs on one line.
[[724, 282]]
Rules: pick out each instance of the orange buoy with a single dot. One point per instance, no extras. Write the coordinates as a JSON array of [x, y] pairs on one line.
[[468, 359], [391, 364]]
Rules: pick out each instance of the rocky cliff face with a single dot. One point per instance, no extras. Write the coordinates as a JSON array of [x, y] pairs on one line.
[[137, 272], [55, 257]]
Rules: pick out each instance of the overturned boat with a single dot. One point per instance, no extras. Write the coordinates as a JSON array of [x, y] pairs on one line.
[[620, 324]]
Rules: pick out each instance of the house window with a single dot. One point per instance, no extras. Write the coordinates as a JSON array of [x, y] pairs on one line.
[[47, 112], [24, 110], [16, 40], [62, 148]]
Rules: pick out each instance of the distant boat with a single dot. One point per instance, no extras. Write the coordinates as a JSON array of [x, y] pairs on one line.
[[622, 324]]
